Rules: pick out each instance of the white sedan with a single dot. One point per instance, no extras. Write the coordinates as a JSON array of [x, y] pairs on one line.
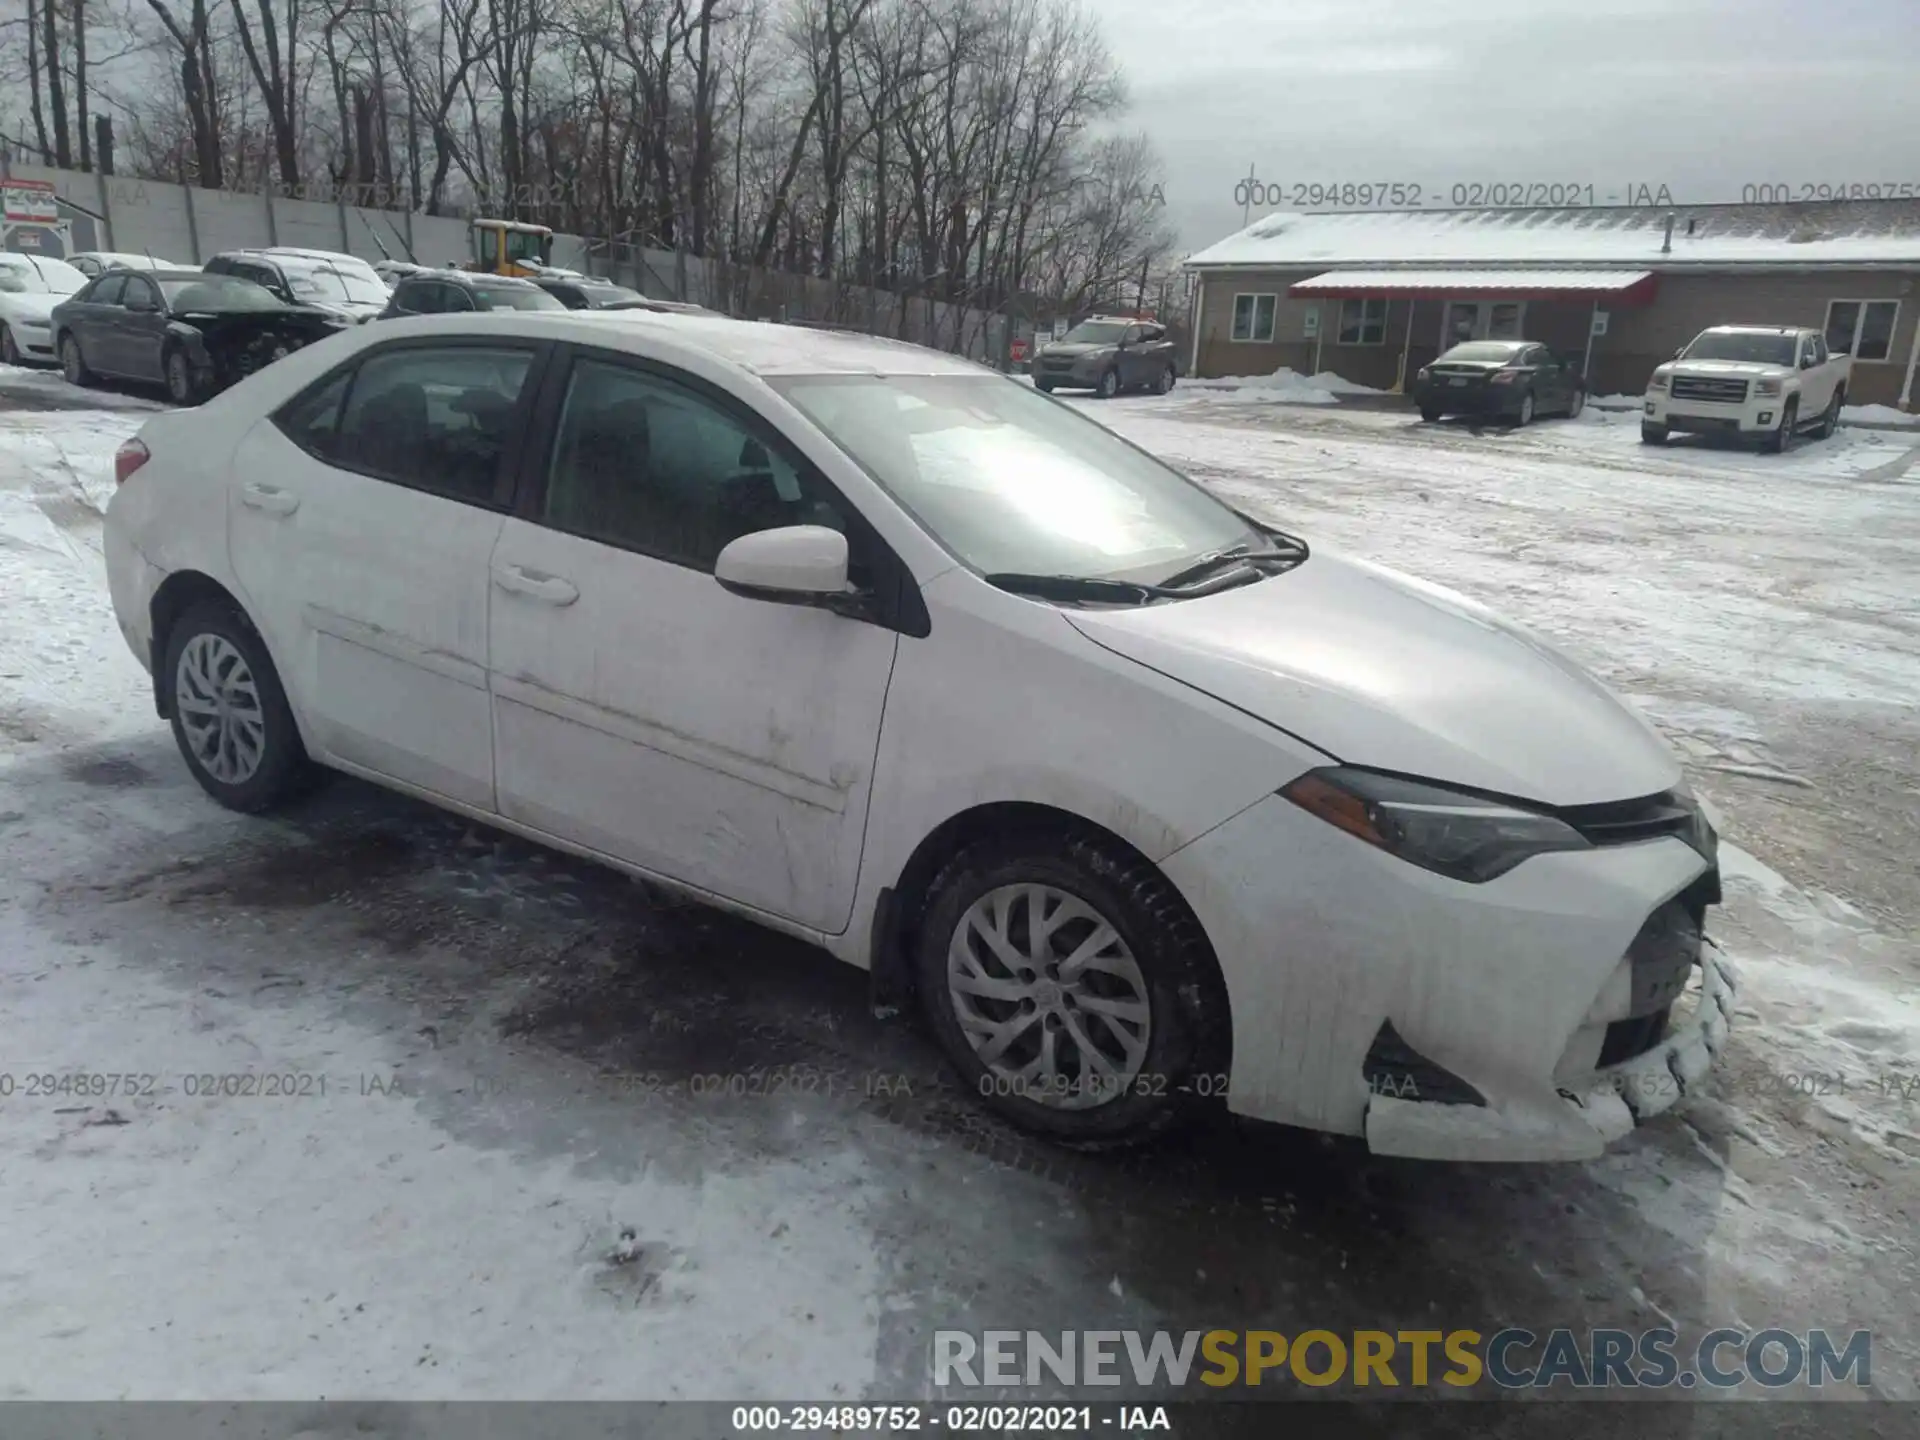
[[30, 286], [1150, 804]]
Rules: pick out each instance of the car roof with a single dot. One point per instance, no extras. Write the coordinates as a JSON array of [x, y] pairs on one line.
[[472, 277], [1758, 329], [759, 347]]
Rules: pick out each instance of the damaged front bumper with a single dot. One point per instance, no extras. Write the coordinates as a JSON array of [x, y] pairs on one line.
[[1532, 1017]]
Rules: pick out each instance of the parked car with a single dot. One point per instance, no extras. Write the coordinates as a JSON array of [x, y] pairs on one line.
[[322, 279], [1507, 379], [586, 292], [390, 271], [92, 262], [1108, 355], [1149, 802], [1747, 381], [30, 287], [193, 332], [448, 292], [659, 307]]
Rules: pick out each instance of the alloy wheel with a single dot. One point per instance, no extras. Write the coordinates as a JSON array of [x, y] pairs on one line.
[[218, 702], [1049, 996], [9, 351]]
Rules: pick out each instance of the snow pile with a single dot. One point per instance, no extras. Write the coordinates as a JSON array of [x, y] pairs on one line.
[[1877, 415], [1284, 386]]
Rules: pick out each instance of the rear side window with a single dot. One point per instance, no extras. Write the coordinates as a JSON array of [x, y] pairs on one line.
[[438, 419], [312, 420]]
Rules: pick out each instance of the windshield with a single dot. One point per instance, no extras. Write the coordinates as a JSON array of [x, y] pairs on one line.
[[1011, 481], [1755, 349], [329, 284], [217, 292], [513, 297], [31, 275], [1095, 332], [1482, 350], [601, 296]]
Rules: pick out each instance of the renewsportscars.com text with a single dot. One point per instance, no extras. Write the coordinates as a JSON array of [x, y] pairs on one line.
[[1509, 1359]]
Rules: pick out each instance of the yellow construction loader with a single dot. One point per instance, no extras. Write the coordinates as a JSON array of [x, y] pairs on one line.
[[510, 247]]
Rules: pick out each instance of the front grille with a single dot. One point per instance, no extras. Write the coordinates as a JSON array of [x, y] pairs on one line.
[[1621, 822], [1056, 362], [1709, 387]]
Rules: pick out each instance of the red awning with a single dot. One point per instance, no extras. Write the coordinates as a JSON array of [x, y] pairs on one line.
[[1614, 287]]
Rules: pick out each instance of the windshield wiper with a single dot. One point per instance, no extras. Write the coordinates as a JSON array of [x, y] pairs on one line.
[[1078, 587], [1232, 557]]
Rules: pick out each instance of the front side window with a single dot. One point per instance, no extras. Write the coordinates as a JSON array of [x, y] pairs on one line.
[[1363, 322], [647, 464], [1012, 482], [140, 294], [1253, 317], [435, 419], [109, 291], [1862, 328]]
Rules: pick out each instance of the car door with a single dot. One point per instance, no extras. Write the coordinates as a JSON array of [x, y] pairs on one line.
[[1817, 379], [1159, 348], [141, 329], [361, 518], [96, 323], [642, 710], [1546, 379], [1132, 358]]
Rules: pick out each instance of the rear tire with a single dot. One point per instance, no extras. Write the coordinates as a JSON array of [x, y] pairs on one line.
[[73, 364], [231, 719], [1576, 404], [1432, 417], [1525, 416], [1165, 384], [1779, 441], [1652, 434], [1155, 992]]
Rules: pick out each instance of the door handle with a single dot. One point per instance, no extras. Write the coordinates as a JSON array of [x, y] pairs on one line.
[[535, 585], [270, 498]]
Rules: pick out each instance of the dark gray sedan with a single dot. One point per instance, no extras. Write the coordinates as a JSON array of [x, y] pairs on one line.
[[1106, 356], [1505, 379], [193, 332]]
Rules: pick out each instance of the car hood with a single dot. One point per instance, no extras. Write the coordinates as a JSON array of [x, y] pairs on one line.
[[1380, 669], [354, 310], [30, 305], [1743, 369]]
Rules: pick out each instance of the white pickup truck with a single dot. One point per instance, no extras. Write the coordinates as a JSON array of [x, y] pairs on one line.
[[1768, 381]]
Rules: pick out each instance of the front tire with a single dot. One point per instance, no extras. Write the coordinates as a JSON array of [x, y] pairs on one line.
[[1069, 985], [231, 719], [1652, 434], [182, 388], [1780, 441], [1109, 385], [73, 364], [10, 348], [1830, 417], [1431, 416], [1045, 387]]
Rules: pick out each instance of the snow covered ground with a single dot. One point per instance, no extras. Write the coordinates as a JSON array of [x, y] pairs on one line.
[[521, 1181]]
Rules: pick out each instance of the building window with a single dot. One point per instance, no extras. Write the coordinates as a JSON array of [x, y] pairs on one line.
[[1862, 328], [1253, 317], [1363, 322]]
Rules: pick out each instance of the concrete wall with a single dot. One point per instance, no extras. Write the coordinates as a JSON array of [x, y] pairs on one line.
[[1636, 340], [191, 225]]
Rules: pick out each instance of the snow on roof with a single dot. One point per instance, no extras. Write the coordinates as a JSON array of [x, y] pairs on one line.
[[1603, 280], [1834, 233]]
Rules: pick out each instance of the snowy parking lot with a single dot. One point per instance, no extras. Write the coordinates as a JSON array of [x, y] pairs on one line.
[[519, 1127]]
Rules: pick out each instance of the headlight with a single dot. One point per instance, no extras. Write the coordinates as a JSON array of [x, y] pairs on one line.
[[1463, 836], [1423, 373], [31, 324], [1658, 382], [1766, 387]]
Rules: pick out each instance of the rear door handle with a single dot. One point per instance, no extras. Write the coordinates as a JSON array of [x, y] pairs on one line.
[[535, 585], [270, 498]]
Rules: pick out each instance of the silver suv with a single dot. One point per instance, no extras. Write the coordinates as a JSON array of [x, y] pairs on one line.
[[1108, 354]]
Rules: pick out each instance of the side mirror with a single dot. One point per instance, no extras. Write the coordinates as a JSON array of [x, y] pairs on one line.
[[794, 565], [1808, 363]]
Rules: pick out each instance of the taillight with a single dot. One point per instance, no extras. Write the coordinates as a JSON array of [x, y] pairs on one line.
[[129, 458], [1505, 377]]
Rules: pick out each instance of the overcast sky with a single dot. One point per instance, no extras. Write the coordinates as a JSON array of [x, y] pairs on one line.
[[1703, 96]]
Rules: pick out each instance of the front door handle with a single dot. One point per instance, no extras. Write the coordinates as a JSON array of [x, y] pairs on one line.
[[536, 585], [270, 498]]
